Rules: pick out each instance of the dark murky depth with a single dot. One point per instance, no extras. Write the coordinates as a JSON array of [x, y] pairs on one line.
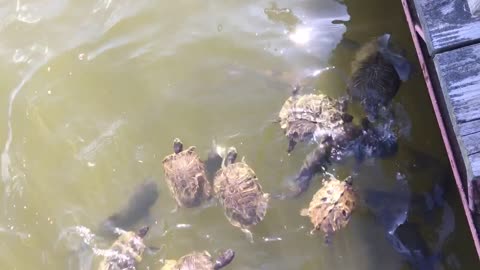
[[93, 92]]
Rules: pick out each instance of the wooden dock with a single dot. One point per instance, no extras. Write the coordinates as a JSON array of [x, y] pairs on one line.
[[446, 34]]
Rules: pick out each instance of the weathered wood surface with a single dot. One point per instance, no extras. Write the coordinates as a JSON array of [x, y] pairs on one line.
[[474, 6], [459, 76], [447, 24]]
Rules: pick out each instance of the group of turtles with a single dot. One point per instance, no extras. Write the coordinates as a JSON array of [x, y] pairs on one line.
[[376, 76]]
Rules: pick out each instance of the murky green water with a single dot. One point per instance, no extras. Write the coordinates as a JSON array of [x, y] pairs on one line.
[[93, 92]]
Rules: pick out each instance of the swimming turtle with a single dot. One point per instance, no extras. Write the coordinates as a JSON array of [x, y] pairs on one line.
[[376, 74], [185, 176], [237, 188], [200, 261], [312, 116], [331, 207], [126, 252]]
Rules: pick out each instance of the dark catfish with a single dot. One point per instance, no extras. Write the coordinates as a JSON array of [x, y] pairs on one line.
[[137, 208], [392, 210]]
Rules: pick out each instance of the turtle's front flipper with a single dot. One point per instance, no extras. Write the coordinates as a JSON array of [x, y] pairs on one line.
[[151, 250]]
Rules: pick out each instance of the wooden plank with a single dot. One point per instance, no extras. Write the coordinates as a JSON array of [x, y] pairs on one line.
[[468, 128], [474, 6], [459, 76], [473, 170], [472, 143], [447, 24]]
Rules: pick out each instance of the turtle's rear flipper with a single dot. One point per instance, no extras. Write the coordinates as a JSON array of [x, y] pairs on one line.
[[248, 235], [224, 259], [150, 250]]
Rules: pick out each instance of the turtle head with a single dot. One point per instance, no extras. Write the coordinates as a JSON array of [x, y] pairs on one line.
[[143, 231], [177, 145], [224, 259], [231, 155], [296, 89], [349, 180]]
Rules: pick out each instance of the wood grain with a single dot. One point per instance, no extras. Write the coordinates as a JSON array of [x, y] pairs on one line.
[[447, 24]]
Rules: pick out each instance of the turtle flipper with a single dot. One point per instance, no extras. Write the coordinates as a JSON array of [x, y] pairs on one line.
[[175, 209], [248, 234], [224, 259], [151, 250]]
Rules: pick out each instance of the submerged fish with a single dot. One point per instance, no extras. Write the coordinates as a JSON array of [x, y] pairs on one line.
[[137, 208], [392, 210]]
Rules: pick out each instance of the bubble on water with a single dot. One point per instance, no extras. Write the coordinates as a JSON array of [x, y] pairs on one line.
[[183, 226], [77, 235], [271, 239], [219, 28]]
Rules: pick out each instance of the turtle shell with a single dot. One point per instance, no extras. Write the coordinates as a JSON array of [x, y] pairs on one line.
[[193, 261], [304, 117], [239, 192], [186, 179], [331, 207], [125, 253]]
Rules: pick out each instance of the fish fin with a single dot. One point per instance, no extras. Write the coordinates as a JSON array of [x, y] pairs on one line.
[[399, 62], [401, 65], [384, 40]]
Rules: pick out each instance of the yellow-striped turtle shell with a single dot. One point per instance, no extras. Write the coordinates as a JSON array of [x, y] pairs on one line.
[[237, 188], [312, 117], [185, 176], [126, 252], [331, 207], [200, 260]]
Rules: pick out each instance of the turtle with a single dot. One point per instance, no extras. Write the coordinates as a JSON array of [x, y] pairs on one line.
[[126, 252], [331, 207], [376, 75], [312, 117], [238, 190], [186, 177], [200, 260]]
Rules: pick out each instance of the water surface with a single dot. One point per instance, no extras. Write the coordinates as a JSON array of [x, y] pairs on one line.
[[93, 93]]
